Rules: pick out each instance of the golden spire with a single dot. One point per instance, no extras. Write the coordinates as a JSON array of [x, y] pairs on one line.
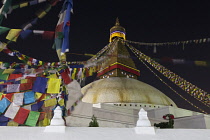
[[117, 31], [117, 22]]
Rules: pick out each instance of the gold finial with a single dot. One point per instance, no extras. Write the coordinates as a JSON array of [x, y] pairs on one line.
[[117, 22]]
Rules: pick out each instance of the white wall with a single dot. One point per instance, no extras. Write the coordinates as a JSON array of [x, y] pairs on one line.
[[98, 133]]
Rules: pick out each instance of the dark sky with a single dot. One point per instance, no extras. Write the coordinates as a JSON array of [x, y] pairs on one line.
[[144, 21]]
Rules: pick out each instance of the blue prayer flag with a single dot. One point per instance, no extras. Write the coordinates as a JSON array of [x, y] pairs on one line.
[[4, 103], [40, 84], [29, 97]]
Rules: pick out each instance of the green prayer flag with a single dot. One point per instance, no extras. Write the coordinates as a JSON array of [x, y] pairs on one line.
[[3, 30], [32, 118], [5, 9]]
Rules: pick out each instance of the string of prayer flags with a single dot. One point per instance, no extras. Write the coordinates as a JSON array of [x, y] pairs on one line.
[[4, 103], [196, 41], [53, 86], [27, 3], [32, 118], [62, 30], [188, 87], [40, 84]]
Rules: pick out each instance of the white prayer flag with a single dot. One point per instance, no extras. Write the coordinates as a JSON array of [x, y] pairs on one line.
[[13, 88], [12, 111], [18, 98]]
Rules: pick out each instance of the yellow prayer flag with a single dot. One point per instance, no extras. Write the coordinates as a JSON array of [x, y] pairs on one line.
[[2, 82], [50, 102], [23, 4], [90, 71], [13, 34], [74, 73], [38, 95], [53, 76], [22, 81], [41, 14], [200, 63], [8, 71], [2, 46], [12, 123], [45, 122], [61, 57], [53, 86], [61, 102]]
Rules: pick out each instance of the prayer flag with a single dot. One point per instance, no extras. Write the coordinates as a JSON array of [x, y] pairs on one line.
[[34, 107], [13, 88], [2, 46], [8, 71], [12, 111], [3, 29], [65, 77], [15, 76], [25, 86], [53, 85], [3, 118], [4, 9], [9, 96], [32, 118], [25, 33], [13, 34], [48, 35], [52, 76], [12, 123], [18, 98], [29, 97], [40, 84], [24, 4], [4, 103], [21, 115], [67, 7], [50, 102], [28, 107]]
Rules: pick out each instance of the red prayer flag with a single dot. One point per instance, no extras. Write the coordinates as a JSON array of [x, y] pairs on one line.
[[9, 96], [25, 86], [48, 35], [21, 116], [65, 77], [14, 76]]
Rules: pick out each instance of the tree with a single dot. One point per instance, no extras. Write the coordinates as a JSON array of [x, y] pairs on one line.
[[94, 122]]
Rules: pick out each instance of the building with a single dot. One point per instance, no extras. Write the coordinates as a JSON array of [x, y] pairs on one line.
[[117, 96]]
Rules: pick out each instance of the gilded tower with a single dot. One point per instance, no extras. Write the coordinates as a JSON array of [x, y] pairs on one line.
[[119, 62]]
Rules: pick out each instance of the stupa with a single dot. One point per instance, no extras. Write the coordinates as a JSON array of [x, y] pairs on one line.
[[118, 78]]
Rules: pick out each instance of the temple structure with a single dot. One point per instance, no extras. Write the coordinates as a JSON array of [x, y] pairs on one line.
[[118, 93]]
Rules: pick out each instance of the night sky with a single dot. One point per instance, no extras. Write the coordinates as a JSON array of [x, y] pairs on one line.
[[144, 21]]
